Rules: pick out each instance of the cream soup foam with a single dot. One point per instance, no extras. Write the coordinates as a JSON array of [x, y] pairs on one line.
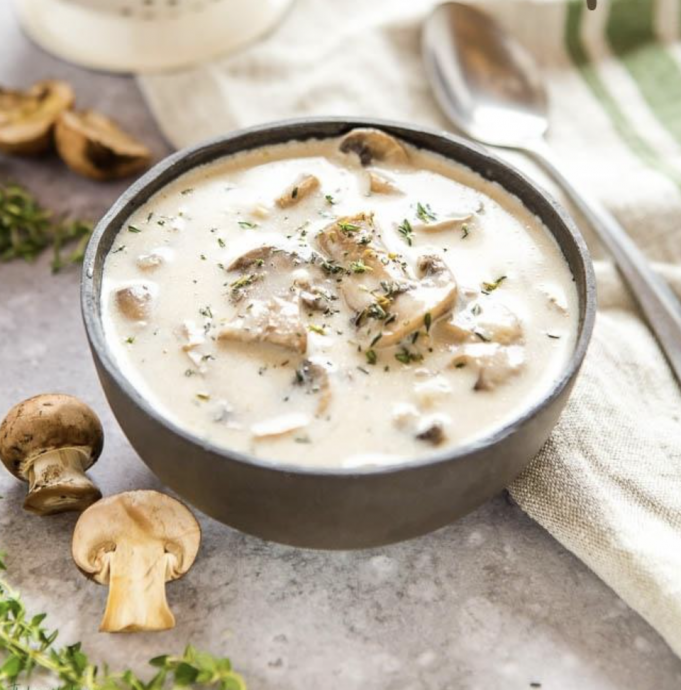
[[339, 302]]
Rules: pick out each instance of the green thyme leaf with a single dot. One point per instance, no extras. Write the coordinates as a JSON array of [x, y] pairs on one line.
[[405, 229], [424, 213]]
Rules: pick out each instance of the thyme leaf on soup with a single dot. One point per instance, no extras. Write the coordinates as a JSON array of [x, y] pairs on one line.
[[359, 267], [348, 228], [425, 213], [405, 229], [427, 321], [316, 329], [491, 287], [134, 229], [330, 200], [465, 231], [371, 356], [247, 224], [407, 357]]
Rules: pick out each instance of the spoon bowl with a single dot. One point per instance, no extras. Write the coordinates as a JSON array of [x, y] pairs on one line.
[[486, 82]]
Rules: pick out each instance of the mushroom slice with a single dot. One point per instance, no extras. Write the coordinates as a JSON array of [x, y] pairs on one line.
[[134, 301], [428, 428], [95, 146], [268, 300], [313, 378], [379, 288], [135, 542], [373, 145], [279, 426], [440, 225], [495, 363], [50, 441], [298, 191], [27, 118], [489, 321], [382, 184]]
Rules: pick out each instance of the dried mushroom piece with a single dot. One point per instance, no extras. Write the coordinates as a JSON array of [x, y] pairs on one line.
[[373, 146], [382, 184], [387, 298], [95, 146], [27, 118], [50, 441], [299, 190], [135, 542], [268, 300]]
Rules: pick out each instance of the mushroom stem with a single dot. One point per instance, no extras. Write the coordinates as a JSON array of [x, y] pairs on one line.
[[58, 483], [137, 592]]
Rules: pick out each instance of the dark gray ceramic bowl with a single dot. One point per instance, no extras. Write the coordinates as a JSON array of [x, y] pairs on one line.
[[333, 508]]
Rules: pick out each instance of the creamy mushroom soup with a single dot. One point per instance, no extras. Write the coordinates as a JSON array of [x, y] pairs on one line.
[[342, 302]]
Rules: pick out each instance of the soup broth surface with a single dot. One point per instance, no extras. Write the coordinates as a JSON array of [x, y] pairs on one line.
[[341, 302]]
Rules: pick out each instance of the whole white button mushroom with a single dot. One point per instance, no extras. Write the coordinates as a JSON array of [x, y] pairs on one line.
[[135, 542], [50, 441]]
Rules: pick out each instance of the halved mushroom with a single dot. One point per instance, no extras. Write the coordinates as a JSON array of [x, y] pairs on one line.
[[50, 441], [135, 301], [27, 118], [379, 287], [135, 542], [373, 145], [269, 300], [298, 191], [443, 224], [95, 146]]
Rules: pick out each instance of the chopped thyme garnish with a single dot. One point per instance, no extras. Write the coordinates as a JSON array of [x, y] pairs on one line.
[[363, 370], [294, 193], [133, 228], [406, 231], [347, 228], [476, 310], [247, 224], [553, 335], [490, 287], [203, 396], [407, 357], [316, 329], [189, 372], [302, 439], [130, 340], [376, 339], [330, 200], [482, 337], [460, 365], [464, 228], [243, 282], [206, 311], [221, 242], [428, 321], [331, 267], [425, 213], [371, 356], [189, 190], [120, 249], [359, 267]]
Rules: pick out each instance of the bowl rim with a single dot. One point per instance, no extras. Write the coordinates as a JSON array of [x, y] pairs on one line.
[[137, 192]]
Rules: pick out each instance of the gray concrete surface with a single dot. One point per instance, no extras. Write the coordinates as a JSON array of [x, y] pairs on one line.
[[490, 603]]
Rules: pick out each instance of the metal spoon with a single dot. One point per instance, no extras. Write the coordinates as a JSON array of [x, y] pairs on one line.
[[491, 89]]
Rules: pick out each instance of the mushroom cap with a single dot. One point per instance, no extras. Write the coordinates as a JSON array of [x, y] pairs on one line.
[[27, 117], [138, 517], [95, 146], [48, 422], [372, 145]]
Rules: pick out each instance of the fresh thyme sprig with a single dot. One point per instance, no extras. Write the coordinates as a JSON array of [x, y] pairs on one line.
[[27, 228], [26, 647]]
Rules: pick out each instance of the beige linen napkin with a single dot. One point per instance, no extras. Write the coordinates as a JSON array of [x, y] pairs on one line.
[[608, 483]]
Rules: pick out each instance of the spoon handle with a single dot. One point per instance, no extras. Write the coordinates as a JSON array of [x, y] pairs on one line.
[[659, 305]]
